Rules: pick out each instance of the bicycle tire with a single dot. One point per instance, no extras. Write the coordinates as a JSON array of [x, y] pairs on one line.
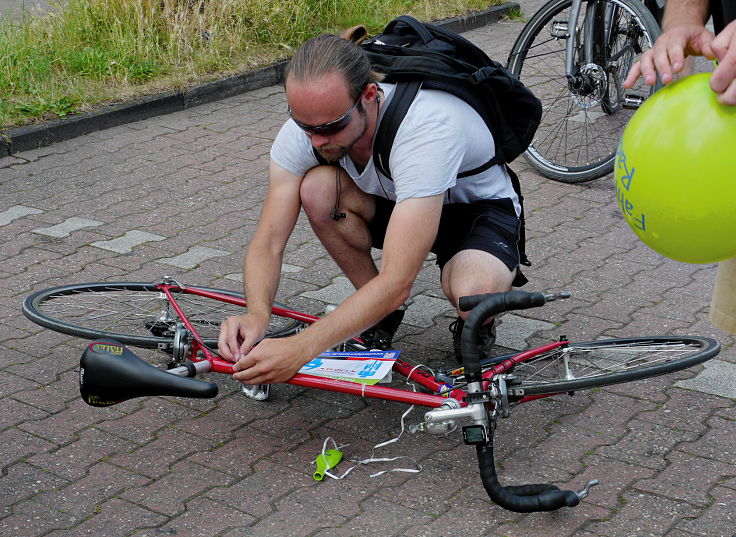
[[595, 364], [131, 313], [580, 130]]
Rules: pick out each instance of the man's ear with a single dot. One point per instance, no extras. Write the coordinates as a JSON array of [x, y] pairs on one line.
[[356, 34]]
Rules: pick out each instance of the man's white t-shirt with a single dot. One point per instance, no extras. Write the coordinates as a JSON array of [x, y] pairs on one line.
[[440, 137]]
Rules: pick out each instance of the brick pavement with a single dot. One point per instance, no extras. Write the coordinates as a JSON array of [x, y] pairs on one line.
[[120, 204]]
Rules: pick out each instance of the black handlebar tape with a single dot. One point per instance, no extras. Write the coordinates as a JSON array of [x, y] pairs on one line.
[[485, 306], [523, 499]]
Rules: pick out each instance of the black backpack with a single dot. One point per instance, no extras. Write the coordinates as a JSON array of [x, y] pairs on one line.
[[413, 54]]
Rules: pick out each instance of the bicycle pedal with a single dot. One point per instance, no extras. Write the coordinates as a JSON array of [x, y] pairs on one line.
[[257, 392], [633, 102], [558, 29]]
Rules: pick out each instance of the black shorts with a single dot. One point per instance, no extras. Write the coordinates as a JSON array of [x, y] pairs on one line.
[[488, 225]]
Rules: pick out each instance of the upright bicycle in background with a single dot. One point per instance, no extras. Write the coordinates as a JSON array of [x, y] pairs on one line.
[[183, 322], [574, 55]]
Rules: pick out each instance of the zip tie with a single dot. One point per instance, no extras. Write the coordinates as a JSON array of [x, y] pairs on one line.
[[326, 460], [373, 459]]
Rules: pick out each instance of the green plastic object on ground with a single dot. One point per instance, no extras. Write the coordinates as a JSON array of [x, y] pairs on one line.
[[324, 462]]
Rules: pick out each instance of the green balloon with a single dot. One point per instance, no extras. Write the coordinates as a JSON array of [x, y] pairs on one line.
[[675, 173]]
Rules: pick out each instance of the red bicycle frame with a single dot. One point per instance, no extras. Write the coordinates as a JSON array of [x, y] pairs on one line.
[[201, 352]]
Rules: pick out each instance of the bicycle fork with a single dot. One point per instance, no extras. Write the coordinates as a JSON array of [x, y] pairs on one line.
[[589, 42], [521, 499]]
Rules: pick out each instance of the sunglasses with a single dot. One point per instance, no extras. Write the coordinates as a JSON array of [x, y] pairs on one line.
[[330, 128]]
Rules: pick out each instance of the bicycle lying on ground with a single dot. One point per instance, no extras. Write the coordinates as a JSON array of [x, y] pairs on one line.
[[183, 322], [574, 55]]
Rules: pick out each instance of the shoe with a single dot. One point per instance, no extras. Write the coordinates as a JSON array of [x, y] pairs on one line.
[[487, 334], [381, 334], [258, 392]]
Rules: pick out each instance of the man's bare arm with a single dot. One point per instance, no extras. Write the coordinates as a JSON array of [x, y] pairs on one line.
[[410, 234]]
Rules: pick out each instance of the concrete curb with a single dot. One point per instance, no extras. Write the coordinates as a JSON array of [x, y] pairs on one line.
[[47, 133]]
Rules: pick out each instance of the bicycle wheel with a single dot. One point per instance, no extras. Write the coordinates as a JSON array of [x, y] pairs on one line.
[[583, 116], [134, 313], [593, 364]]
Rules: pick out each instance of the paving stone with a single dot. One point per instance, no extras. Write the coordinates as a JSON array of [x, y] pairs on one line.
[[704, 474], [14, 412], [19, 445], [717, 378], [82, 497], [232, 414], [298, 515], [514, 330], [67, 227], [127, 242], [15, 212], [336, 293], [52, 397], [646, 444], [717, 443], [686, 409], [145, 418], [111, 518], [644, 516], [379, 516], [615, 478], [568, 524], [193, 257], [170, 494], [424, 309], [12, 384], [23, 481], [257, 493], [719, 520], [203, 517], [239, 455], [57, 360], [31, 519], [72, 461]]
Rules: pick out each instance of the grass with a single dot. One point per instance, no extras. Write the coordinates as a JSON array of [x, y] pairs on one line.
[[84, 53]]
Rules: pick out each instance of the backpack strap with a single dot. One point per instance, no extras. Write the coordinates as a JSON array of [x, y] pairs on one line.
[[401, 100], [523, 259], [383, 141]]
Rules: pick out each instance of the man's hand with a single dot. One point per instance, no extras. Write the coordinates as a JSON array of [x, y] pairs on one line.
[[238, 335], [667, 56], [271, 361], [723, 80]]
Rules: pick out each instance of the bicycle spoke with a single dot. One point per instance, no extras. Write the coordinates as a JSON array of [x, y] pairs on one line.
[[136, 313], [590, 361]]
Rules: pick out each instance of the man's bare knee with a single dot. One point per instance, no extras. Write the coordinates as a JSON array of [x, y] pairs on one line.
[[473, 272], [317, 192]]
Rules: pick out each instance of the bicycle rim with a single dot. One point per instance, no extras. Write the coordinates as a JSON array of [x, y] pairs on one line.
[[594, 364], [135, 313], [580, 129]]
